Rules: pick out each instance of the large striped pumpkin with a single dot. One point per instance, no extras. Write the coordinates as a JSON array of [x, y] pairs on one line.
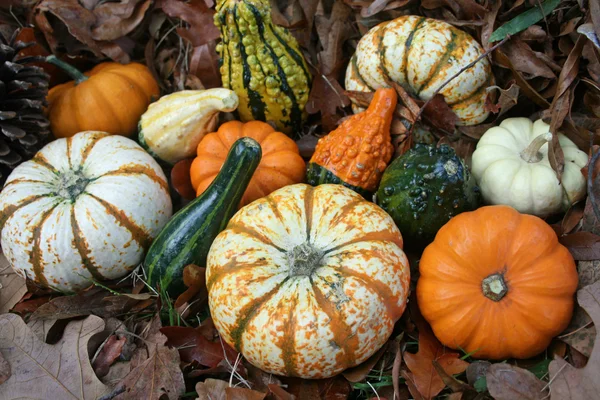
[[308, 281], [421, 54], [84, 207]]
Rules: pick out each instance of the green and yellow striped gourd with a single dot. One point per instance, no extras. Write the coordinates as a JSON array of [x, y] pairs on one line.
[[263, 64], [420, 54]]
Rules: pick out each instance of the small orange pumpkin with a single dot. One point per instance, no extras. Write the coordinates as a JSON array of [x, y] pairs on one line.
[[109, 98], [281, 164], [497, 283]]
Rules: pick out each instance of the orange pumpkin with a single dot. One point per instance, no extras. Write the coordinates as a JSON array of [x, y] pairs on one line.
[[109, 98], [497, 283], [281, 164]]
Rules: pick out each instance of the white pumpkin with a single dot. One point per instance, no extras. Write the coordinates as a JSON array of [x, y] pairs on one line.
[[84, 207], [511, 166], [420, 54], [308, 281]]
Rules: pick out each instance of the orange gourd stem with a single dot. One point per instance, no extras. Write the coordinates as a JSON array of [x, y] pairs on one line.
[[357, 152], [73, 72]]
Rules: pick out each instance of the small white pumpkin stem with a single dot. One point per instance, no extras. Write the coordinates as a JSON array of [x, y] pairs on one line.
[[494, 287], [532, 154]]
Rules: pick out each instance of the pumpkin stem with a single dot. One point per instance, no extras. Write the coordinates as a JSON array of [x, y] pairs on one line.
[[304, 259], [73, 72], [494, 287], [532, 154]]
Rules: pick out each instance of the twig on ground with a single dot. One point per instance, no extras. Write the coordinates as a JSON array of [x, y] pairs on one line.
[[463, 69]]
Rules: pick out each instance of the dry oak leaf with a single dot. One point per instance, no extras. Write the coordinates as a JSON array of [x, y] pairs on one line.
[[108, 355], [4, 369], [193, 346], [201, 29], [160, 375], [507, 382], [12, 286], [426, 379], [568, 382], [59, 371]]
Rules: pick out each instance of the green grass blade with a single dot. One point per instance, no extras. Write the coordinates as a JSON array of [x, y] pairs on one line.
[[524, 20]]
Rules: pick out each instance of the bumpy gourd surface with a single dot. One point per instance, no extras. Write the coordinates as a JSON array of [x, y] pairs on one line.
[[424, 188], [421, 54], [263, 64], [84, 207], [330, 311]]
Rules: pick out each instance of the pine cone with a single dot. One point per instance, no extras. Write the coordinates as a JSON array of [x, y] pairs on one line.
[[24, 129]]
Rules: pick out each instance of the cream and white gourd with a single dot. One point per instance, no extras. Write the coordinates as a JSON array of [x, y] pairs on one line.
[[174, 125], [85, 207], [511, 166], [420, 54]]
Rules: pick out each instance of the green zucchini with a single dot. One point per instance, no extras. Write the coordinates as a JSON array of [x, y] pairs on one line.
[[187, 237]]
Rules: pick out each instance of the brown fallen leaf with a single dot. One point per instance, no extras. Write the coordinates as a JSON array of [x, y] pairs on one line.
[[568, 382], [4, 369], [194, 277], [476, 370], [360, 372], [439, 114], [584, 246], [581, 333], [60, 371], [279, 393], [530, 92], [196, 13], [524, 59], [237, 393], [116, 19], [193, 346], [160, 375], [96, 301], [204, 64], [211, 389], [12, 286], [508, 99], [507, 382], [111, 350], [589, 272], [425, 377]]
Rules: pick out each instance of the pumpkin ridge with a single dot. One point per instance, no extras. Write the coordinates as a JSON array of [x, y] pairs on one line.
[[472, 97], [381, 49], [249, 311], [441, 62], [275, 209], [85, 152], [138, 169], [358, 74], [8, 211], [69, 143], [109, 105], [378, 288], [345, 210], [407, 47], [309, 196], [35, 256], [123, 75], [342, 334], [21, 180], [43, 161], [243, 229], [138, 234], [288, 340], [233, 266], [386, 236], [82, 247]]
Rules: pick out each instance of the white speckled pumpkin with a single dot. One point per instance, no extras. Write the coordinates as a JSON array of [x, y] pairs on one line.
[[308, 281], [512, 168], [83, 207], [420, 54]]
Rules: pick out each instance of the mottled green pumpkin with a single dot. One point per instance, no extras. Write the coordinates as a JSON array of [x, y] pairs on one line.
[[263, 64], [423, 189]]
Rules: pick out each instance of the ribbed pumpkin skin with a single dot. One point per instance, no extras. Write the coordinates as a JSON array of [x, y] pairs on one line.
[[539, 272], [84, 207], [421, 54], [281, 164], [263, 64], [317, 319], [174, 125], [111, 100]]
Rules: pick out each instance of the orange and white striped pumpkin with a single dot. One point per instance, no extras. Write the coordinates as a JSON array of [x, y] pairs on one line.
[[83, 207], [420, 54], [308, 281]]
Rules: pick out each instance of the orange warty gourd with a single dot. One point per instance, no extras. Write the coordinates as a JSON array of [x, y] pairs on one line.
[[358, 151], [497, 283], [109, 98], [281, 164]]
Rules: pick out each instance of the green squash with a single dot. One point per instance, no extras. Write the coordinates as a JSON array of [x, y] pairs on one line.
[[187, 237], [423, 189]]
